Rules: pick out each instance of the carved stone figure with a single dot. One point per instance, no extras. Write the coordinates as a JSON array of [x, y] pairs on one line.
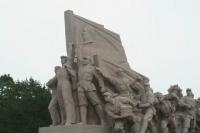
[[65, 99], [197, 118], [137, 87], [121, 108], [174, 95], [87, 90], [166, 111], [147, 101], [187, 103], [53, 105], [175, 90], [198, 102]]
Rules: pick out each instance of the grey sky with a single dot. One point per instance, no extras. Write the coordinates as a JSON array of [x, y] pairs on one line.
[[161, 38]]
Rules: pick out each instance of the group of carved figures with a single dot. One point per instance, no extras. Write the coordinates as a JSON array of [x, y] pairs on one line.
[[131, 105]]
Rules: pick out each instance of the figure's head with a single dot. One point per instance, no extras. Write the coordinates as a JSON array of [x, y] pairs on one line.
[[146, 85], [108, 97], [86, 60], [136, 87], [63, 59], [56, 68], [175, 89], [159, 96], [189, 92]]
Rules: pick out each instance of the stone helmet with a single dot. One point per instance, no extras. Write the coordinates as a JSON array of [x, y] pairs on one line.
[[188, 90]]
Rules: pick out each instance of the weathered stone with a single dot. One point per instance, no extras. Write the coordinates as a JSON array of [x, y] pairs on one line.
[[96, 86], [87, 91], [75, 129]]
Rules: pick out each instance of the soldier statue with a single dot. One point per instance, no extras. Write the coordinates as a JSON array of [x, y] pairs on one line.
[[188, 105], [87, 90], [63, 77], [198, 114], [53, 105], [146, 104], [166, 111]]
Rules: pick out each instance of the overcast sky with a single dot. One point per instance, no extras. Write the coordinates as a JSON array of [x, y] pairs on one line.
[[160, 37]]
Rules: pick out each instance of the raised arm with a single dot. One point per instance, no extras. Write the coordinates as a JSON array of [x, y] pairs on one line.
[[100, 81]]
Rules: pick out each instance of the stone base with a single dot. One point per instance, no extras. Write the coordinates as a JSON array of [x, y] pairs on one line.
[[75, 129]]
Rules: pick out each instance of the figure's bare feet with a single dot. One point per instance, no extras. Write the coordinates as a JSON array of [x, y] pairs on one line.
[[67, 124], [103, 123], [81, 123], [53, 124], [62, 123]]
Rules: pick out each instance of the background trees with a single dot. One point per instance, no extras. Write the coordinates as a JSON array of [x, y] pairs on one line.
[[23, 105]]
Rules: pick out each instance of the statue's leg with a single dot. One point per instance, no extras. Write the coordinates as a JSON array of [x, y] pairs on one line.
[[186, 124], [173, 125], [83, 112], [70, 113], [100, 113], [137, 122], [83, 105], [152, 126], [94, 99], [136, 126], [193, 124], [147, 117], [61, 106], [53, 110], [68, 104], [164, 128]]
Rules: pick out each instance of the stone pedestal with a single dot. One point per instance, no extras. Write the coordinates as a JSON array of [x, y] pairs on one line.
[[75, 129]]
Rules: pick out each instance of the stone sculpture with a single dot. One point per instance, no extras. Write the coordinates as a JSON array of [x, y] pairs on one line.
[[87, 90], [53, 105], [64, 91], [147, 101], [95, 90], [166, 111], [197, 116], [188, 104], [120, 108]]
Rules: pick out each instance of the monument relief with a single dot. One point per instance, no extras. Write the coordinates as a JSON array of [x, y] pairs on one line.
[[94, 90]]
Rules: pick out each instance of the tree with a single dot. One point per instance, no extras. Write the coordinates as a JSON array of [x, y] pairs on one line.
[[23, 105]]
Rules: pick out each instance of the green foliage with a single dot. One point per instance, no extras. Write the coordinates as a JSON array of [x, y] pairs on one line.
[[23, 105]]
